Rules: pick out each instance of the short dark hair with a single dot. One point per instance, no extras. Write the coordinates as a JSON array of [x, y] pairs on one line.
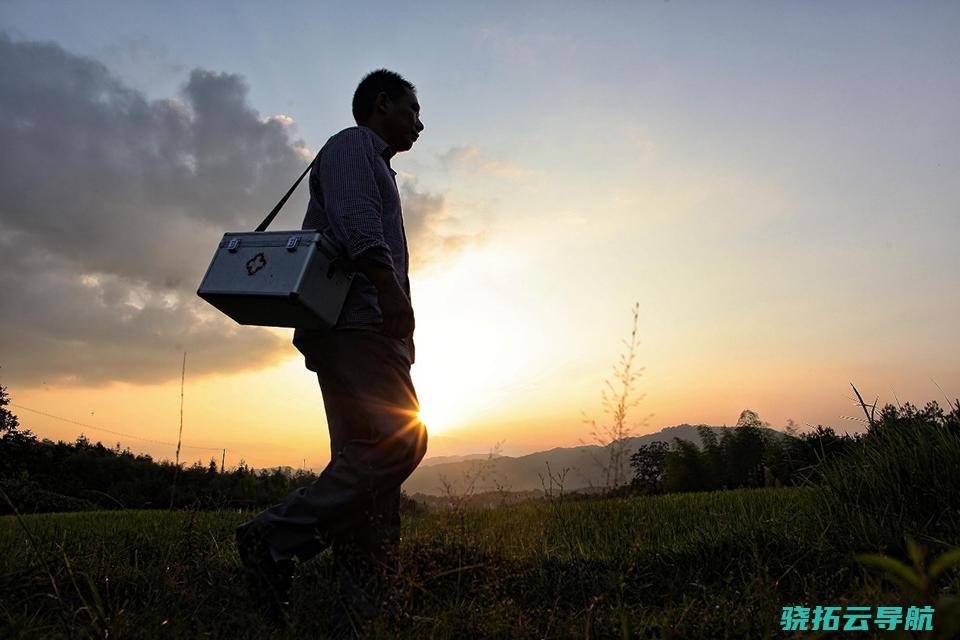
[[365, 97]]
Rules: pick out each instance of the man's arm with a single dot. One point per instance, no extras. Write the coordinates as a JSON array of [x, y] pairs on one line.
[[351, 197], [353, 209]]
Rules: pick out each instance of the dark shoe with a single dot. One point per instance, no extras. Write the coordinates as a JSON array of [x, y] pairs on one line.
[[268, 580]]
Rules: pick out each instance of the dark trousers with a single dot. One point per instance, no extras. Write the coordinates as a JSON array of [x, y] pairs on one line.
[[376, 441]]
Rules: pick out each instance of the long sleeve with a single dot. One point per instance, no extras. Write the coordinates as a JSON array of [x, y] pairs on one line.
[[351, 197]]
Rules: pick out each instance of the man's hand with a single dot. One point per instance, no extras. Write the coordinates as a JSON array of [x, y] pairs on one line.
[[395, 307], [397, 312]]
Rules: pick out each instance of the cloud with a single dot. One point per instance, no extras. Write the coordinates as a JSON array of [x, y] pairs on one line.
[[432, 229], [459, 155], [506, 170], [283, 119], [469, 159], [110, 206]]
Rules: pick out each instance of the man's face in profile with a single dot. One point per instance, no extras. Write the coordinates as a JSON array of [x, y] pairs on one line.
[[401, 121]]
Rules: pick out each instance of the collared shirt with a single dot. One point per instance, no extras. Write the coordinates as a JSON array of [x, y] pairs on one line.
[[353, 190]]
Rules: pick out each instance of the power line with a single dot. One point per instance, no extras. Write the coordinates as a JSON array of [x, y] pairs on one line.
[[116, 433]]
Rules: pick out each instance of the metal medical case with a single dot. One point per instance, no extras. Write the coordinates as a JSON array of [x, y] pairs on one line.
[[278, 279]]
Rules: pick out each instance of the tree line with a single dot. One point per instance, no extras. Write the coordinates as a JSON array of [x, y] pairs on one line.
[[39, 475], [752, 455]]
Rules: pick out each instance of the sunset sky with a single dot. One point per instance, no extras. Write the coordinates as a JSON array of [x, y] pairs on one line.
[[774, 183]]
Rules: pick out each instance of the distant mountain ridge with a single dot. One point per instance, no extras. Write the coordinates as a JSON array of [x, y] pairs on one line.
[[481, 472], [427, 462]]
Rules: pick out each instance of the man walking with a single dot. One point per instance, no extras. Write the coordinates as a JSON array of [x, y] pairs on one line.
[[363, 366]]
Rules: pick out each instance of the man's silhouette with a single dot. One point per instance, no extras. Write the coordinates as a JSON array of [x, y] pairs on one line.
[[363, 365]]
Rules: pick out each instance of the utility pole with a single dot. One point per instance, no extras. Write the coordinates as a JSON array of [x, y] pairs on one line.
[[223, 459]]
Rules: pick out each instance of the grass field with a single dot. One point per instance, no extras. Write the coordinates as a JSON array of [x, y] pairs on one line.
[[710, 565]]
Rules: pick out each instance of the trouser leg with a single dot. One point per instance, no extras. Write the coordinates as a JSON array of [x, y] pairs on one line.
[[367, 561], [371, 408], [367, 558]]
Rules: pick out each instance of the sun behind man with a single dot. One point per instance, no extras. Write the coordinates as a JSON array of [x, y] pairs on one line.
[[363, 365]]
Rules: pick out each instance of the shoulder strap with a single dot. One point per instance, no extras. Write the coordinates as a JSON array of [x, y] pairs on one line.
[[273, 214]]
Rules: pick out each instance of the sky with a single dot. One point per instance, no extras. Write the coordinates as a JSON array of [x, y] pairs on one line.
[[773, 184]]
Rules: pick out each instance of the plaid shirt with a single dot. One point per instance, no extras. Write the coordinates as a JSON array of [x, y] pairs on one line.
[[353, 190]]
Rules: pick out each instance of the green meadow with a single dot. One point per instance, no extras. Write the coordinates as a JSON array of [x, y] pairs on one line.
[[701, 565], [876, 526]]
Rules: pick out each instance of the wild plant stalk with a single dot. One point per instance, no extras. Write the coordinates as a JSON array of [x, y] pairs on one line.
[[901, 480], [479, 471], [617, 401], [35, 547], [565, 528], [176, 470], [458, 509], [871, 420]]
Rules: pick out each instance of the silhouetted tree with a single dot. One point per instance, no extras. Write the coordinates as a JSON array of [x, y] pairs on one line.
[[750, 418], [16, 444], [648, 467], [778, 463], [685, 468], [743, 450], [8, 421], [714, 458], [747, 455]]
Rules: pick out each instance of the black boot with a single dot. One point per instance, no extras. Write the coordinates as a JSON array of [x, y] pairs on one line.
[[268, 580]]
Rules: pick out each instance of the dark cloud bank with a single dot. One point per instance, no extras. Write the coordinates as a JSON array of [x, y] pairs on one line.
[[110, 206]]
